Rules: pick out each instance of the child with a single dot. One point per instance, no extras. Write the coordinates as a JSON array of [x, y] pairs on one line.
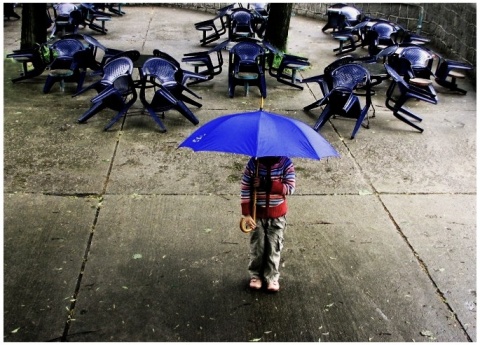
[[275, 180]]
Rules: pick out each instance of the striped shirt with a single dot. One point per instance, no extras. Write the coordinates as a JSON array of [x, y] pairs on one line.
[[282, 176]]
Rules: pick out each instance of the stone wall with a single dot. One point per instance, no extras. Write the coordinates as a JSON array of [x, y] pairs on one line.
[[451, 27]]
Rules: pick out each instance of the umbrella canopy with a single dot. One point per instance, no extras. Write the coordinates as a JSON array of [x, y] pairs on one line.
[[260, 134]]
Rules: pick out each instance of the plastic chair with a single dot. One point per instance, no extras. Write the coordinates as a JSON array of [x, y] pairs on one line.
[[186, 75], [116, 91], [325, 81], [91, 14], [287, 69], [351, 35], [203, 63], [241, 24], [379, 36], [415, 64], [246, 67], [111, 71], [342, 101], [451, 69], [165, 79], [38, 57], [399, 92], [69, 65], [335, 20], [67, 22], [260, 13], [214, 28]]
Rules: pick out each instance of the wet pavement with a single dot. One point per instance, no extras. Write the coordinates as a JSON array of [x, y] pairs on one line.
[[120, 236]]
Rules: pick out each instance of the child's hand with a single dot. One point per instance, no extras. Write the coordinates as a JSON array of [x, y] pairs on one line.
[[257, 182], [249, 222]]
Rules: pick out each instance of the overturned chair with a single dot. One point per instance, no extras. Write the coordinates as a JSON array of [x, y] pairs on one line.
[[399, 92], [213, 29], [116, 91], [447, 73], [165, 79], [343, 100], [287, 69]]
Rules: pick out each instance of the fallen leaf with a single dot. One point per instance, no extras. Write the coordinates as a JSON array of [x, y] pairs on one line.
[[256, 339], [137, 256], [15, 330], [208, 230], [426, 333], [364, 192]]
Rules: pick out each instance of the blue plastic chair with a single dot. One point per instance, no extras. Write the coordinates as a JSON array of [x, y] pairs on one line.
[[241, 24], [399, 92], [70, 55], [116, 91], [342, 100], [246, 67], [289, 65], [213, 29], [325, 81], [448, 71], [166, 80]]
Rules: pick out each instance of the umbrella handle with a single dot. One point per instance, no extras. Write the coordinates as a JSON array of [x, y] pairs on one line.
[[243, 224]]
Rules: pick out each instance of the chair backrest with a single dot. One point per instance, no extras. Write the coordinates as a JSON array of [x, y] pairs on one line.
[[349, 76], [247, 51], [241, 21], [76, 17], [67, 47], [162, 69], [352, 14], [418, 56], [116, 68], [385, 31], [159, 53]]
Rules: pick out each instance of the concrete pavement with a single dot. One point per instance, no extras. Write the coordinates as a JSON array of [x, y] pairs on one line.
[[120, 236]]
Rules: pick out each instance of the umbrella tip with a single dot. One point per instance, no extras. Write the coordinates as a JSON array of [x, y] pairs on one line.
[[261, 104]]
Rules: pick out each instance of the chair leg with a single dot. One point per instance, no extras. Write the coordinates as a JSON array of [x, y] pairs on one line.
[[323, 118], [117, 117], [96, 108], [315, 104], [155, 117], [183, 109], [190, 101], [359, 122], [401, 118], [48, 84]]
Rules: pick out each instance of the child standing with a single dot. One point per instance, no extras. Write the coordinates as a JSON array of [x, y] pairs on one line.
[[275, 180]]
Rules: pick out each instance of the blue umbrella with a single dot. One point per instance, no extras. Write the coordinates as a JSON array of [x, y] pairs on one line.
[[259, 134]]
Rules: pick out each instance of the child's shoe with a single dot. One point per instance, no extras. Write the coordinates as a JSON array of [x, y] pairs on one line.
[[273, 286], [255, 283]]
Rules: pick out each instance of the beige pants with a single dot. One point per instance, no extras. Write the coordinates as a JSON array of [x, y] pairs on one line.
[[266, 243]]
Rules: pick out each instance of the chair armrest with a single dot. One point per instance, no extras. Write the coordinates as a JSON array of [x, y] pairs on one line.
[[195, 54], [315, 79]]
